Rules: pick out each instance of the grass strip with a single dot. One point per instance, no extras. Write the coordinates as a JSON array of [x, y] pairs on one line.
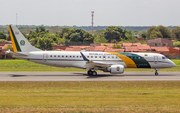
[[22, 65], [138, 96]]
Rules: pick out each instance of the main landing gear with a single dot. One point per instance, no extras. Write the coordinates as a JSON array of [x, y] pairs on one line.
[[93, 73], [156, 72]]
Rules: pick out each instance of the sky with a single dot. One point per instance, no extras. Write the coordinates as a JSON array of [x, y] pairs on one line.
[[78, 12]]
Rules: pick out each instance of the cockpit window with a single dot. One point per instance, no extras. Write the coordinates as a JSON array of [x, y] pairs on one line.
[[164, 57]]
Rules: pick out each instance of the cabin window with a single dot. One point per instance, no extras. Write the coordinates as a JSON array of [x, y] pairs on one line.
[[58, 55], [62, 56], [70, 56], [139, 57], [134, 57], [91, 56], [54, 55], [80, 56], [87, 56], [108, 56], [77, 56], [66, 56], [104, 56], [73, 56], [116, 57], [123, 57], [99, 56], [112, 57], [50, 55], [95, 56]]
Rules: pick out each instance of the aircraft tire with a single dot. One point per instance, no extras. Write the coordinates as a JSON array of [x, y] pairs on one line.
[[89, 72], [94, 73], [156, 73]]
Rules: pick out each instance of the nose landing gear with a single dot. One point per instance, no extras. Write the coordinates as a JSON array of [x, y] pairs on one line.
[[156, 72]]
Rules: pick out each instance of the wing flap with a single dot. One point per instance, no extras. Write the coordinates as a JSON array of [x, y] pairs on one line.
[[93, 64]]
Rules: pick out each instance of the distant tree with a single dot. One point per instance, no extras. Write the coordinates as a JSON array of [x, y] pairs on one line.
[[158, 32], [75, 37], [99, 33], [143, 42], [2, 35], [88, 38], [98, 40], [176, 33], [99, 37], [113, 32], [113, 41], [155, 34], [42, 29], [32, 35], [37, 30], [143, 35], [176, 43], [150, 29], [34, 41], [9, 47], [8, 38], [165, 31], [130, 37], [45, 43], [116, 46]]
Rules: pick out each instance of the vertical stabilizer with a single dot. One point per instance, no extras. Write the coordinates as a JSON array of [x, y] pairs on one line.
[[19, 42]]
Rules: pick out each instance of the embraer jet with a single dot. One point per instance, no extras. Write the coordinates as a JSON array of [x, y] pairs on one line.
[[113, 62]]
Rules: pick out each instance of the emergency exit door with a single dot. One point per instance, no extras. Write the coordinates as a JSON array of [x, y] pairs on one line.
[[45, 57]]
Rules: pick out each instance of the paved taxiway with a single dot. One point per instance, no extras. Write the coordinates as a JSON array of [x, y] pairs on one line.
[[82, 76]]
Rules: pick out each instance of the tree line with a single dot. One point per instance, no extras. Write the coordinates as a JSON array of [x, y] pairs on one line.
[[44, 38]]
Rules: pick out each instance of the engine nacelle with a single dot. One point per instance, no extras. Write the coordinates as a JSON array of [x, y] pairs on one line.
[[117, 69]]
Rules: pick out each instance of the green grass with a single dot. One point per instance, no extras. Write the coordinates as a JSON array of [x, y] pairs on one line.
[[160, 96], [22, 65]]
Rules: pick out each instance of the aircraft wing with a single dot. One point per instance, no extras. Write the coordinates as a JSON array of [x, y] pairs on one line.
[[98, 64], [95, 64]]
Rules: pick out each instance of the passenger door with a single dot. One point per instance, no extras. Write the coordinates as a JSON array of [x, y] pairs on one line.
[[155, 59]]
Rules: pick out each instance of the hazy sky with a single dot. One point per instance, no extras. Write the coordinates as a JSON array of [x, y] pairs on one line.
[[78, 12]]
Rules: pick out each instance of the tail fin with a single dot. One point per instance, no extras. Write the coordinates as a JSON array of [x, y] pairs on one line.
[[19, 42]]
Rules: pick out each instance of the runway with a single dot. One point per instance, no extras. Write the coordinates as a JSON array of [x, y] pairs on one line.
[[82, 76]]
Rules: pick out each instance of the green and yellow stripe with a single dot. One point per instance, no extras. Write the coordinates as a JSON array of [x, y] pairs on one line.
[[15, 44], [129, 62]]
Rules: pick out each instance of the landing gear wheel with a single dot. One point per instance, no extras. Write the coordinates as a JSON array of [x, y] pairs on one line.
[[156, 73], [89, 72], [94, 73]]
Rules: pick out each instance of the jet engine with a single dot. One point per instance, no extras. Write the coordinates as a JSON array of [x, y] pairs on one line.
[[115, 69]]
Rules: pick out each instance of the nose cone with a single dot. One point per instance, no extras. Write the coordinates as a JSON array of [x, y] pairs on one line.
[[173, 64]]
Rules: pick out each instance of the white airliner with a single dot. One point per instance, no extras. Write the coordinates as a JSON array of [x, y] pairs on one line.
[[113, 62]]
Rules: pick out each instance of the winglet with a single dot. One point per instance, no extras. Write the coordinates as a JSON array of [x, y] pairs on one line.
[[84, 57]]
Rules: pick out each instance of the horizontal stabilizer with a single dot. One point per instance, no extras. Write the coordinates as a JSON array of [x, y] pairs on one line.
[[17, 54]]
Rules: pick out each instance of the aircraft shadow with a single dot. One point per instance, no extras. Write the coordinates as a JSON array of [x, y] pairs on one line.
[[18, 75], [90, 76]]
